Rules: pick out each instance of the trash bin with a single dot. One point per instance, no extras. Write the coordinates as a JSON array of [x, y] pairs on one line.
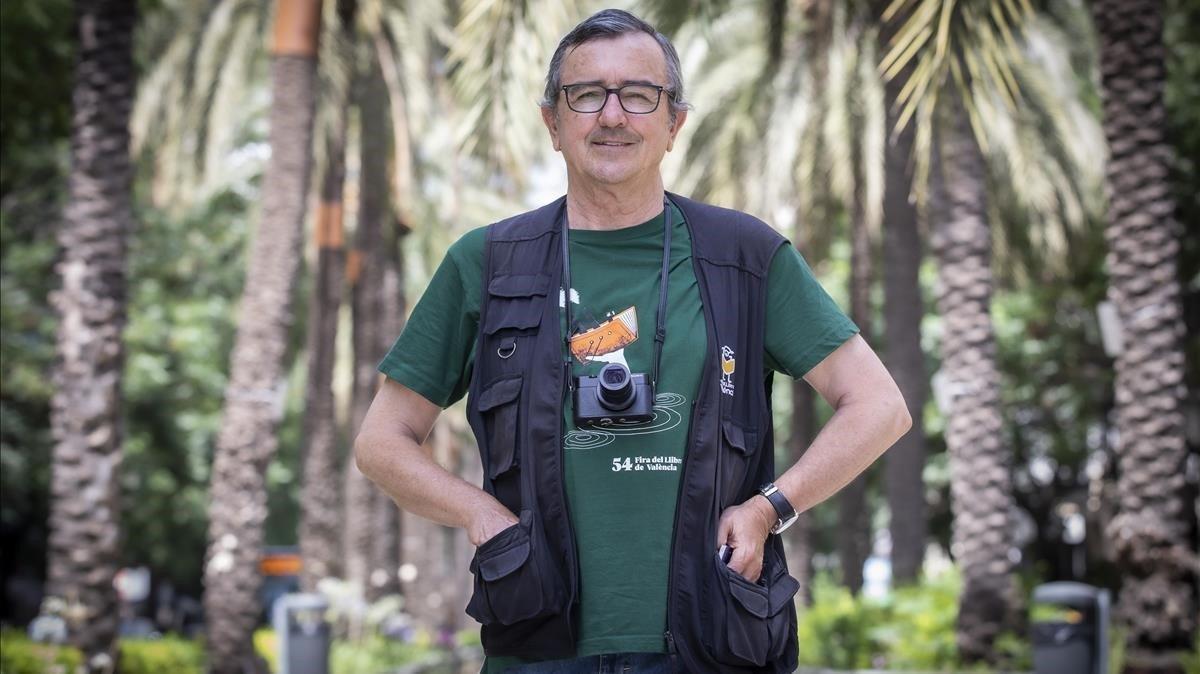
[[302, 633], [1076, 638]]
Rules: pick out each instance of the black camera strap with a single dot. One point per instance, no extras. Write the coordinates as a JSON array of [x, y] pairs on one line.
[[660, 329]]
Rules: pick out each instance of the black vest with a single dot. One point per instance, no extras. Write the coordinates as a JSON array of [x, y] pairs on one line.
[[527, 577]]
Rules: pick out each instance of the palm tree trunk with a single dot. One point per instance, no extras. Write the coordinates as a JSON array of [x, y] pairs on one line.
[[854, 520], [799, 535], [86, 407], [981, 491], [902, 312], [1154, 531], [379, 312], [372, 537], [254, 396], [320, 512]]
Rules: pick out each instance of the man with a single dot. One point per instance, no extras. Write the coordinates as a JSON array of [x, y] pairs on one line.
[[626, 520]]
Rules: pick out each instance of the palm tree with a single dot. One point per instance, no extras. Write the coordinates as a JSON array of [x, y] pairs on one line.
[[902, 312], [86, 406], [377, 315], [253, 398], [969, 66], [321, 496], [1155, 520]]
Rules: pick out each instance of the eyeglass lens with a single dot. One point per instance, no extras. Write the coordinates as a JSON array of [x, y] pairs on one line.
[[634, 98]]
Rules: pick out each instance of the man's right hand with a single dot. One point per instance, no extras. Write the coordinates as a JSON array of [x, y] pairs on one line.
[[487, 524]]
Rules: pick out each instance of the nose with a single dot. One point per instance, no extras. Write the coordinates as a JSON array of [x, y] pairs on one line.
[[612, 114]]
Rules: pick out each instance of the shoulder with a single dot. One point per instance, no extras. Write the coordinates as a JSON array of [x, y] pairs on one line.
[[727, 236], [528, 225]]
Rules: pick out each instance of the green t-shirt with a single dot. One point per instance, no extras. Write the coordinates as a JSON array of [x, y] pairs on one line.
[[621, 482]]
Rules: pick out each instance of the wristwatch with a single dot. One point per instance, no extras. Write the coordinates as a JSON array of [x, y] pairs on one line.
[[783, 508]]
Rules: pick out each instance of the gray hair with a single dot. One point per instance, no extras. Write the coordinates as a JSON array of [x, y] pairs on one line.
[[609, 23]]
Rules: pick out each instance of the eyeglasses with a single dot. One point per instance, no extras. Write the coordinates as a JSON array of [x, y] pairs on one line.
[[637, 99]]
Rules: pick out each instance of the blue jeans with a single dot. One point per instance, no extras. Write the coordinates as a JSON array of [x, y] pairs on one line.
[[617, 663]]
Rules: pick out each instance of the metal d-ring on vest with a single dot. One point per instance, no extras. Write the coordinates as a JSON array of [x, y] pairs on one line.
[[660, 330]]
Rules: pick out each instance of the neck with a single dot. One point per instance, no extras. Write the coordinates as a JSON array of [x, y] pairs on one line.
[[613, 207]]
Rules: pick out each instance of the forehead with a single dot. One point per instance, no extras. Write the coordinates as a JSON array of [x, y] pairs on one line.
[[613, 60]]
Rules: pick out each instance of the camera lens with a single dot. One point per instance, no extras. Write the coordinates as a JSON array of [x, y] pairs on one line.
[[616, 387]]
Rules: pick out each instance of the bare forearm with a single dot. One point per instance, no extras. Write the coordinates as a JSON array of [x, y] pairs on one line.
[[857, 434], [410, 476]]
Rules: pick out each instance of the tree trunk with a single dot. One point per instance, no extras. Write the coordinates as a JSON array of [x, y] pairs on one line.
[[980, 480], [799, 535], [380, 310], [1154, 531], [254, 396], [320, 524], [854, 518], [372, 538], [902, 312], [86, 407]]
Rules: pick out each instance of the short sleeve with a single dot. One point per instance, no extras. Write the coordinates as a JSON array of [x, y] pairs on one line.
[[804, 324], [434, 354]]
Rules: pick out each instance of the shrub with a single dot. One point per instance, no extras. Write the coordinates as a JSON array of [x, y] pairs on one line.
[[913, 628], [166, 654], [374, 653], [835, 630], [19, 655]]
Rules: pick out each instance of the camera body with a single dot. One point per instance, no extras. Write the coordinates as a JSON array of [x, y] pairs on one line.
[[613, 396]]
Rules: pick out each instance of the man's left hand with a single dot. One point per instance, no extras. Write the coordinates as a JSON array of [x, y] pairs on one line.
[[744, 528]]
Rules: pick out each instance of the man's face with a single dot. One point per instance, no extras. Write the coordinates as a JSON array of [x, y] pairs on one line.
[[612, 148]]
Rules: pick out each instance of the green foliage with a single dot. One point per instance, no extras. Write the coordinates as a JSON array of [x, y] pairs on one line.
[[168, 654], [911, 629], [835, 630], [375, 653], [185, 276], [19, 655], [35, 84]]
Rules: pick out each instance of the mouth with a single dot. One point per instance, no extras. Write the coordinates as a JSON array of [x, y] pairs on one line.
[[611, 143]]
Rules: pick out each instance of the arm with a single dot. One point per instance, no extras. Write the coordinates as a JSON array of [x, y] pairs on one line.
[[869, 415], [390, 451]]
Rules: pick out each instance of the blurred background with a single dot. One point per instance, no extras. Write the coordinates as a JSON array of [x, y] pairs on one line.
[[214, 217]]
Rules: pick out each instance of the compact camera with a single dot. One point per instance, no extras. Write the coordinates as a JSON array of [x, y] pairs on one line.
[[614, 395]]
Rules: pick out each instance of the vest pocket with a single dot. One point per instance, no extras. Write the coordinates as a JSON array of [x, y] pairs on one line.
[[750, 625], [515, 579], [739, 444], [499, 403]]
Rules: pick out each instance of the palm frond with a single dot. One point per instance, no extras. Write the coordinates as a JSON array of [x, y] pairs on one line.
[[497, 59]]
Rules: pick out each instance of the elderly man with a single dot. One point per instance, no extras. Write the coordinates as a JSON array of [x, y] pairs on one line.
[[616, 347]]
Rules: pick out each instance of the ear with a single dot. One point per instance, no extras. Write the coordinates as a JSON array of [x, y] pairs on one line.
[[674, 127], [550, 119]]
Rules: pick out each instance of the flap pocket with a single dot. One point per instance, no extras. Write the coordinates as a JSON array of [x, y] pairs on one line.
[[516, 301], [500, 564], [521, 313], [741, 438], [783, 589], [519, 285], [499, 392], [752, 596]]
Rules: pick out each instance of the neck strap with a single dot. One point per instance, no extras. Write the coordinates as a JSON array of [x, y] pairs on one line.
[[660, 329]]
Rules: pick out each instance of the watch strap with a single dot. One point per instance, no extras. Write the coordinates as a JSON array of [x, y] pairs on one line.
[[783, 508]]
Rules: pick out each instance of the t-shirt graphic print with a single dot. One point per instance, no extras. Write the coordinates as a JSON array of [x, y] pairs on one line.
[[602, 343]]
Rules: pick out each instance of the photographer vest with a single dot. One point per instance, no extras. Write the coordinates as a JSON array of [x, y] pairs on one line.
[[527, 577]]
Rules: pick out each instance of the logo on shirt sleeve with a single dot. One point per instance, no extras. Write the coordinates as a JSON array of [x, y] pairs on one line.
[[727, 368]]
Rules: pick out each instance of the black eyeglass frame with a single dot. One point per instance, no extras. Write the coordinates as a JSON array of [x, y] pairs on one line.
[[615, 90]]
